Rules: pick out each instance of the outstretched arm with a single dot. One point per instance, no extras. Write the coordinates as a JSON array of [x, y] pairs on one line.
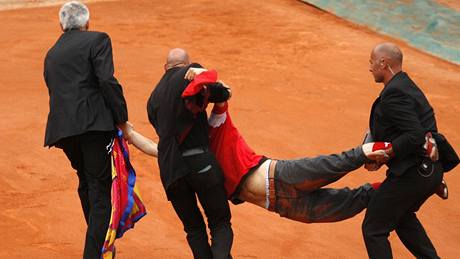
[[141, 142]]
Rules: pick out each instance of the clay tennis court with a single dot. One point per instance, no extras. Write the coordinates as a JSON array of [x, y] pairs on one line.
[[301, 87]]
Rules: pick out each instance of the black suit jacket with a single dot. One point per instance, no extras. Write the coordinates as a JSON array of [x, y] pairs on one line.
[[84, 94], [169, 116], [402, 115], [176, 125]]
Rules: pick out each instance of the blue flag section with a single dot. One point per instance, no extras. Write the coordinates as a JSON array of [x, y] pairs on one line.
[[423, 24]]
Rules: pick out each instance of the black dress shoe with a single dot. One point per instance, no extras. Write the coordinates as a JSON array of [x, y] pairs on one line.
[[442, 190]]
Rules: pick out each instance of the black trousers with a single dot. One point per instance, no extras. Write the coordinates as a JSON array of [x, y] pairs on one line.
[[205, 182], [393, 207], [88, 154]]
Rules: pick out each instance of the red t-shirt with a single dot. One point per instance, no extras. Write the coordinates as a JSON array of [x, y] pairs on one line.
[[235, 156]]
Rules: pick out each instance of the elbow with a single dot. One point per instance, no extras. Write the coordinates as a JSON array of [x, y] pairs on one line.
[[418, 138], [154, 153], [153, 149], [105, 82]]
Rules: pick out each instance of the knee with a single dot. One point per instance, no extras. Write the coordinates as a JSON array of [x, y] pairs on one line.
[[296, 212], [372, 230], [195, 231], [365, 229], [221, 218], [222, 232], [83, 189], [83, 192], [368, 228], [220, 225]]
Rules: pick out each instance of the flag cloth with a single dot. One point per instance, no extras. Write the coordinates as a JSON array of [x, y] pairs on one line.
[[127, 206]]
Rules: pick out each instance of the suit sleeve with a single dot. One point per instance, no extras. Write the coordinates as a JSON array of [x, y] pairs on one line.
[[400, 109], [112, 91]]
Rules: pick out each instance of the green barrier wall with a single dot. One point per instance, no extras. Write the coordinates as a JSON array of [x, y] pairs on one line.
[[424, 24]]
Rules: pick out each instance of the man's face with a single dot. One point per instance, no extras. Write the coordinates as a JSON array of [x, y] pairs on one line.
[[375, 67]]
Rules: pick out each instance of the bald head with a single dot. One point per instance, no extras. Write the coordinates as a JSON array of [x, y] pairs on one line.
[[385, 62], [177, 57], [390, 52]]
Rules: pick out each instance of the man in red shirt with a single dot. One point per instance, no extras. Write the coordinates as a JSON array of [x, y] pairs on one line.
[[291, 188]]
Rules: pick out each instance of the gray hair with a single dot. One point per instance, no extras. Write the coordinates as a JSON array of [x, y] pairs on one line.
[[73, 15]]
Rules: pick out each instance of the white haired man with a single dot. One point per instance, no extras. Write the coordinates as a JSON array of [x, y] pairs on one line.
[[86, 104]]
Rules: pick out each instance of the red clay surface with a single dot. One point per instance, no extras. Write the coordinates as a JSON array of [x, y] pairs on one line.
[[454, 4], [301, 87]]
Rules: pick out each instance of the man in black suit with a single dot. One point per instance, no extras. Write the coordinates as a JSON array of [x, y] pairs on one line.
[[400, 115], [86, 104], [187, 167]]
